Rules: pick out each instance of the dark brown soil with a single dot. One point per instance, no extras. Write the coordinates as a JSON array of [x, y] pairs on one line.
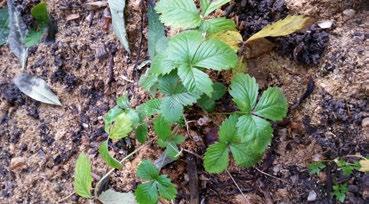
[[323, 72]]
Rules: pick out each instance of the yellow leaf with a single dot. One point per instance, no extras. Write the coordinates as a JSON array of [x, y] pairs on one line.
[[283, 27], [231, 38], [364, 163]]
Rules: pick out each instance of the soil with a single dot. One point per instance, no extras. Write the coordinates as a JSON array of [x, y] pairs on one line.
[[323, 72]]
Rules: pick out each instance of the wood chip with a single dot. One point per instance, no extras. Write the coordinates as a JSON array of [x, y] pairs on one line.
[[96, 5], [73, 17]]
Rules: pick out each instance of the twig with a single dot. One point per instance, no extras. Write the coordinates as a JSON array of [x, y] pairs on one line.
[[236, 184], [190, 152], [141, 39], [194, 180], [65, 198], [121, 162], [270, 175]]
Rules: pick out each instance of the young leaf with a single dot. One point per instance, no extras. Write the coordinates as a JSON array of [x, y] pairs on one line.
[[272, 104], [346, 167], [141, 133], [316, 167], [156, 31], [82, 176], [228, 130], [171, 109], [195, 80], [33, 38], [39, 12], [147, 171], [166, 189], [216, 158], [215, 4], [4, 25], [117, 15], [249, 127], [150, 107], [123, 102], [112, 197], [110, 161], [121, 127], [172, 150], [148, 81], [244, 91], [208, 103], [242, 154], [17, 33], [162, 128], [283, 27], [147, 193], [217, 25], [339, 191], [179, 13], [36, 88]]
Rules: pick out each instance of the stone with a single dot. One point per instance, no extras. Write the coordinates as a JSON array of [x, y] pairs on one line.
[[312, 196], [18, 163]]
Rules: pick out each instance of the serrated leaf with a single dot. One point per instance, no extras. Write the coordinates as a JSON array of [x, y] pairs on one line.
[[316, 167], [170, 84], [141, 133], [4, 25], [272, 104], [156, 31], [134, 117], [217, 25], [171, 109], [178, 139], [110, 161], [179, 13], [150, 107], [121, 127], [195, 80], [232, 38], [208, 103], [215, 4], [339, 191], [228, 130], [146, 170], [216, 158], [166, 188], [172, 150], [242, 154], [117, 15], [244, 91], [162, 128], [162, 65], [17, 33], [110, 116], [39, 12], [36, 88], [204, 4], [251, 127], [82, 176], [283, 27], [33, 38], [112, 197], [148, 81], [147, 193], [182, 47]]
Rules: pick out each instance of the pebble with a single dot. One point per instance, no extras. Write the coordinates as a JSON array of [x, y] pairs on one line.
[[365, 123], [325, 24], [349, 12], [312, 196], [17, 163]]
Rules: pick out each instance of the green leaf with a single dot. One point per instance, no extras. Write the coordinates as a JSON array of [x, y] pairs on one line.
[[208, 103], [217, 25], [339, 191], [112, 197], [272, 105], [195, 80], [346, 167], [147, 171], [33, 38], [216, 158], [4, 25], [123, 102], [172, 150], [243, 155], [215, 4], [121, 127], [162, 65], [183, 46], [170, 84], [134, 117], [179, 13], [171, 109], [111, 116], [228, 130], [282, 27], [39, 12], [141, 133], [147, 193], [82, 176], [231, 38], [244, 91], [110, 161], [156, 31], [150, 107], [119, 27], [178, 139], [250, 127], [162, 128], [204, 4], [166, 188], [148, 81], [316, 167]]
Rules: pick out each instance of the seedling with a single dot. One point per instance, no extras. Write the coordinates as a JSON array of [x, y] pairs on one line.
[[339, 191], [316, 167]]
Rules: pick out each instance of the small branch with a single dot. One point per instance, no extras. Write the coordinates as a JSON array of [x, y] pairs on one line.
[[194, 180], [238, 187], [270, 175], [65, 198]]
